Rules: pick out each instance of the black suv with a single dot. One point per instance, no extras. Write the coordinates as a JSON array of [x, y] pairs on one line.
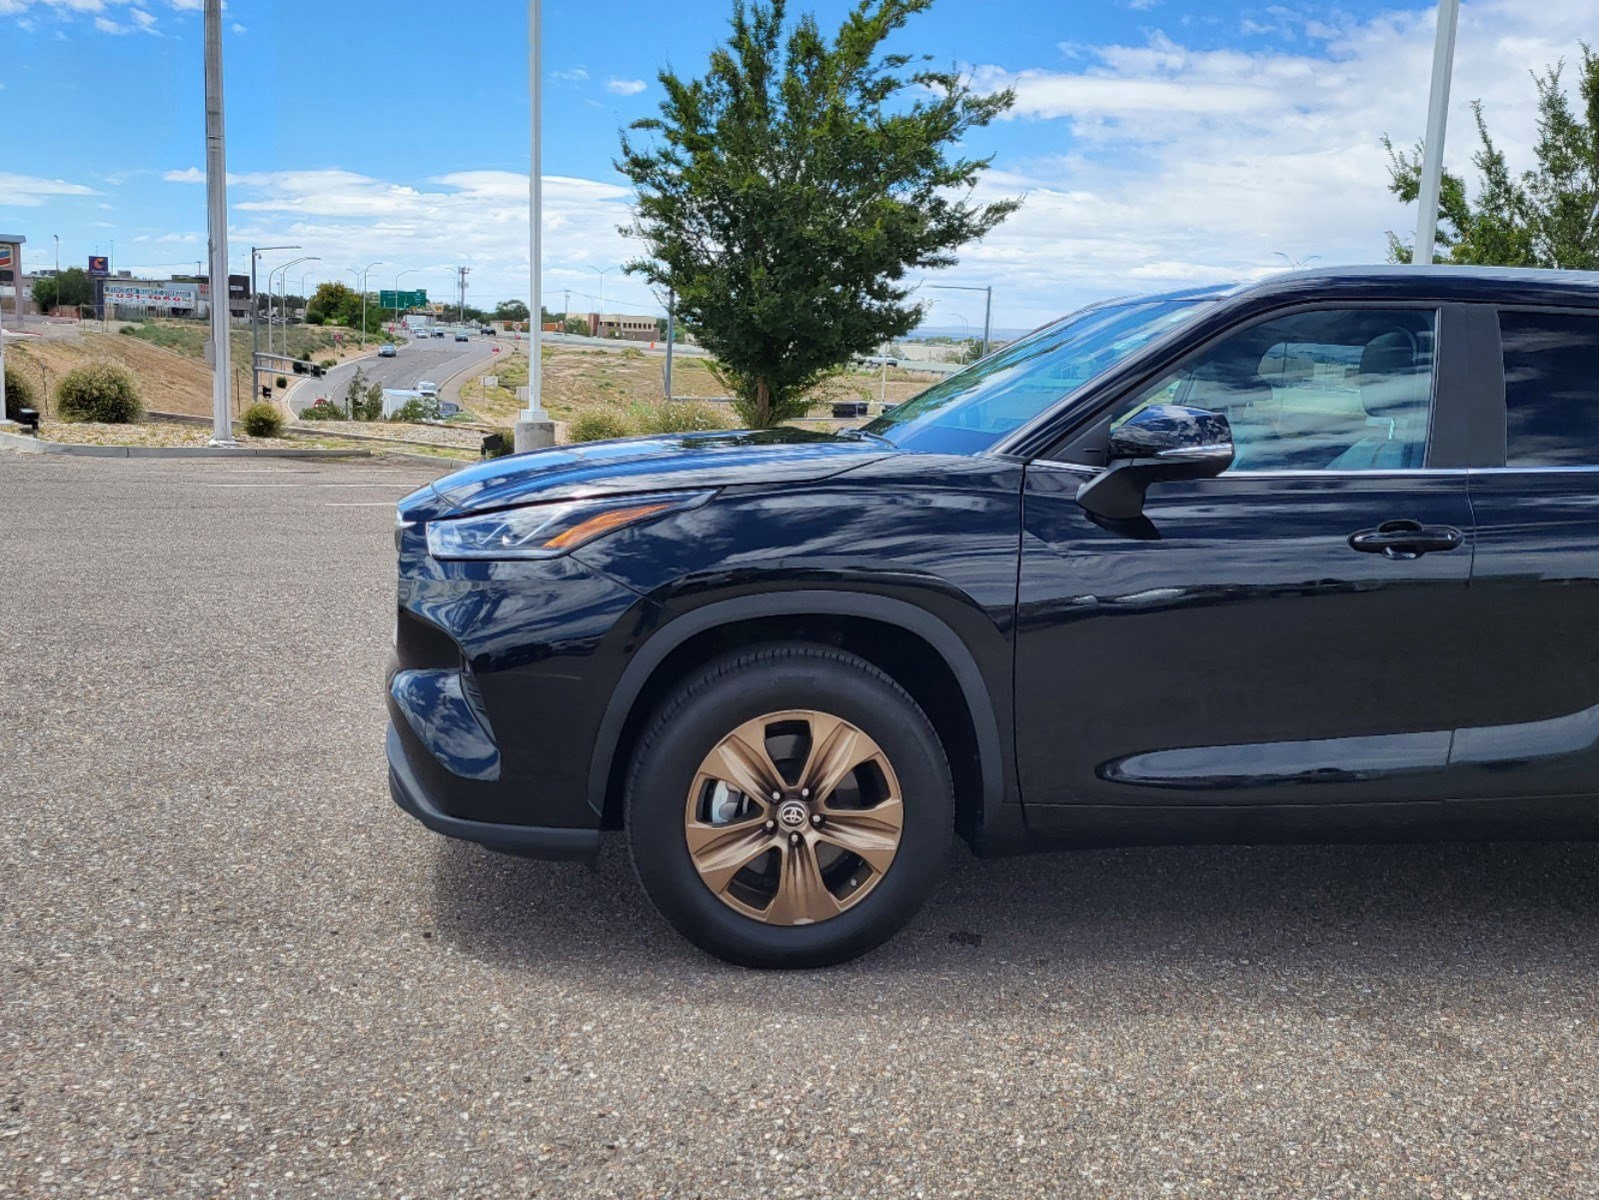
[[1310, 559]]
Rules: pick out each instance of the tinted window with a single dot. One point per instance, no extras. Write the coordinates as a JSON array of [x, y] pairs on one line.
[[1551, 389], [969, 412], [1341, 389]]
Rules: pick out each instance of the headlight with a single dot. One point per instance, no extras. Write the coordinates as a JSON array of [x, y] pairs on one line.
[[549, 530]]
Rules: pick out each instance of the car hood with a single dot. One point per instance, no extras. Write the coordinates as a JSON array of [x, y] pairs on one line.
[[647, 464]]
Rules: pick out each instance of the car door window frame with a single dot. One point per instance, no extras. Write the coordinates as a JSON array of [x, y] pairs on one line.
[[1464, 393], [1502, 415]]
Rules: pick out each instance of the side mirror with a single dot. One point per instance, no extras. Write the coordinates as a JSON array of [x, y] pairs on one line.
[[1163, 442]]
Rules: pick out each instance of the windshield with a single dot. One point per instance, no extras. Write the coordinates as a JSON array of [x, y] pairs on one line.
[[969, 412]]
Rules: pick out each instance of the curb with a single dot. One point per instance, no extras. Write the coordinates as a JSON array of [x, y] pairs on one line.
[[28, 445]]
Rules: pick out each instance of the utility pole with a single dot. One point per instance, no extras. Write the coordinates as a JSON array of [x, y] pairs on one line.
[[255, 299], [534, 429], [1432, 169], [460, 290], [216, 181]]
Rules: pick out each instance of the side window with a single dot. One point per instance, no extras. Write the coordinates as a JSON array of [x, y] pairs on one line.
[[1339, 389], [1551, 389]]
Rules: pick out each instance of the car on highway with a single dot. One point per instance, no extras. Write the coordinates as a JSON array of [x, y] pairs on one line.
[[1312, 559], [462, 336], [426, 387], [388, 350]]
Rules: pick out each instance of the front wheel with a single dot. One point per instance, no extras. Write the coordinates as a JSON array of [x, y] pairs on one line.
[[789, 807]]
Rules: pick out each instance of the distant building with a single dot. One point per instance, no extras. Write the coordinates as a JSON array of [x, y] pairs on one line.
[[627, 328]]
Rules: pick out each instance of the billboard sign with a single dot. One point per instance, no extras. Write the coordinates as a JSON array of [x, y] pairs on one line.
[[8, 256], [99, 266], [147, 295]]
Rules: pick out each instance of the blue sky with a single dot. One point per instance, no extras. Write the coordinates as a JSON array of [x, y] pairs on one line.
[[1158, 142]]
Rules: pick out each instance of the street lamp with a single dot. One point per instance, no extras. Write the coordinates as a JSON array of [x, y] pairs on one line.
[[303, 279], [397, 278], [534, 429], [602, 275], [988, 308], [1432, 167], [293, 262], [255, 300], [364, 273]]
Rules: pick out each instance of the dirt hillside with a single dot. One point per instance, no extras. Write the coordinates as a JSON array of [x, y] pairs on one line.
[[168, 381]]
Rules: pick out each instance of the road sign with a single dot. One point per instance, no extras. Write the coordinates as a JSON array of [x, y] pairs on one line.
[[392, 299]]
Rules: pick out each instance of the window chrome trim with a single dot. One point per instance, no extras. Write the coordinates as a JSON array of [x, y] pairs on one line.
[[1313, 473], [1508, 470]]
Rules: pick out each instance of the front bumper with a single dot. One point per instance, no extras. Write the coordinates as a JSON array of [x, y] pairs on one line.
[[528, 841]]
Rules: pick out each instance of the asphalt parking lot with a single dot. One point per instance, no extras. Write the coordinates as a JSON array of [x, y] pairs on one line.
[[229, 967]]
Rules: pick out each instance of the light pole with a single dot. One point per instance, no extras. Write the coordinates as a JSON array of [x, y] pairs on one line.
[[601, 317], [255, 300], [397, 278], [534, 429], [304, 278], [216, 188], [988, 307], [1432, 167], [365, 272], [284, 269]]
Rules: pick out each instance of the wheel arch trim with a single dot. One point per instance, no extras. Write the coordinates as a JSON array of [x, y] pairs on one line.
[[944, 641]]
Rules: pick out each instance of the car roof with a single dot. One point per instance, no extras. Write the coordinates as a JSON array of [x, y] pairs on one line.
[[1503, 285]]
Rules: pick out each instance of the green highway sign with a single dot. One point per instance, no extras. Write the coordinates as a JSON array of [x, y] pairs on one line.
[[392, 299]]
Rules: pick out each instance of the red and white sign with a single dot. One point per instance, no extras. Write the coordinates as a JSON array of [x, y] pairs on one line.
[[8, 256]]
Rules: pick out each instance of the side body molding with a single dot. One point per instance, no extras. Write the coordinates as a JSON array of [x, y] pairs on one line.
[[889, 611]]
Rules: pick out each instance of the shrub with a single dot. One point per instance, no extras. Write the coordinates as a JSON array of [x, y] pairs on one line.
[[328, 364], [323, 412], [263, 420], [415, 410], [20, 394], [677, 416], [100, 391], [282, 382], [130, 330], [597, 426]]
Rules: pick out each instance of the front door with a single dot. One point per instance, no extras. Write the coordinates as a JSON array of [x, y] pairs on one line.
[[1291, 632]]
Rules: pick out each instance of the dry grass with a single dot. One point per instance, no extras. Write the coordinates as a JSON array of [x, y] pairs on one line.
[[580, 381]]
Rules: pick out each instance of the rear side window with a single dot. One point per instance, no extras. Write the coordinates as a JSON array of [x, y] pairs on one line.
[[1551, 389]]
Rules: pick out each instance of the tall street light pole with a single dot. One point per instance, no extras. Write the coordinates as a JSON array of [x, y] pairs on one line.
[[1432, 169], [283, 297], [397, 278], [534, 429], [602, 275], [988, 307], [365, 272], [255, 300], [216, 188], [283, 267]]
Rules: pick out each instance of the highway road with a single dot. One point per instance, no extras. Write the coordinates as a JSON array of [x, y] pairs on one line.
[[435, 359]]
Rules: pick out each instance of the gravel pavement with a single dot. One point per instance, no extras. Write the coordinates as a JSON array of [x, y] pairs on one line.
[[229, 967]]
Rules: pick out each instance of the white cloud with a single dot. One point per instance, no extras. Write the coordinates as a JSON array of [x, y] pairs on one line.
[[30, 191], [1180, 165], [625, 87], [471, 218], [103, 14], [575, 75]]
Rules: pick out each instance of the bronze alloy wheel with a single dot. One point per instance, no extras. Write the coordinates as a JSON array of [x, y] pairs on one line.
[[794, 817]]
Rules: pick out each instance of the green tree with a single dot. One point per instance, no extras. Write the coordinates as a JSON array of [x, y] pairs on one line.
[[74, 288], [330, 301], [786, 194], [511, 310], [45, 294], [1547, 216]]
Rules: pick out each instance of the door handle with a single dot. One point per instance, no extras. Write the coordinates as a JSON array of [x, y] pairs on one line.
[[1406, 539]]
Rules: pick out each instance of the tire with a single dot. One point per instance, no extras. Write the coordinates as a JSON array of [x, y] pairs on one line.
[[832, 708]]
